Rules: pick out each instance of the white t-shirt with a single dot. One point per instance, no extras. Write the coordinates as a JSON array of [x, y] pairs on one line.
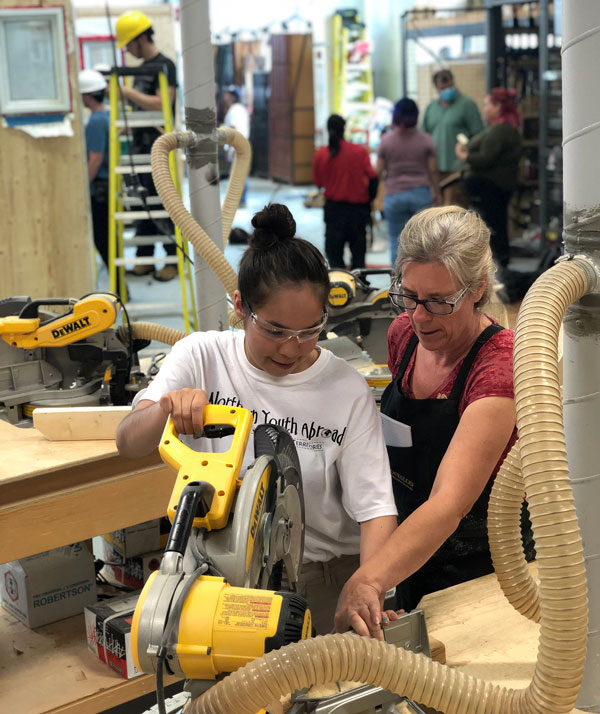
[[330, 413], [237, 117]]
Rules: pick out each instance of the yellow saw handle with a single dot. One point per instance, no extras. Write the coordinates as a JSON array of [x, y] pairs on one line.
[[219, 469]]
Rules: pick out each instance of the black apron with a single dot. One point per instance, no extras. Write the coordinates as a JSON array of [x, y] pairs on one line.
[[465, 555]]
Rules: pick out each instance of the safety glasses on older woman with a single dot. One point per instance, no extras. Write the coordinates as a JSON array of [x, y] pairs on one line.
[[283, 334], [401, 301]]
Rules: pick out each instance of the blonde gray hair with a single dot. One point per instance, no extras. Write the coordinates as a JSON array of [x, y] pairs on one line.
[[454, 237]]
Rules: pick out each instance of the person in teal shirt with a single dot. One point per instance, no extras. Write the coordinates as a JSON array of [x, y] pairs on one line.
[[453, 113]]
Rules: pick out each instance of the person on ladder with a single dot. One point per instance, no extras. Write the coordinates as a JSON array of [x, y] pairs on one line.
[[135, 33]]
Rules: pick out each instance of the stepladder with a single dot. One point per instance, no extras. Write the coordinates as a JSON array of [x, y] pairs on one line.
[[137, 218]]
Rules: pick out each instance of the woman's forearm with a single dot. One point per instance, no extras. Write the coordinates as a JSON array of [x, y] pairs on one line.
[[139, 434], [410, 546], [374, 534]]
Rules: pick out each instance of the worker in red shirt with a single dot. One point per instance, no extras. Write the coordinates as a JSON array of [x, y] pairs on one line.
[[344, 170]]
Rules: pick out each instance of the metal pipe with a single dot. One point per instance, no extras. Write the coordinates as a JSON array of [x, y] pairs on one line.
[[581, 360], [203, 170]]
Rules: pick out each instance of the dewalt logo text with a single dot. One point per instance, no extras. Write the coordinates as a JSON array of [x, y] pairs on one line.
[[71, 327]]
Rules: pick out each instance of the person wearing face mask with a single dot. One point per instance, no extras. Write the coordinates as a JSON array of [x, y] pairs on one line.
[[275, 369], [451, 114]]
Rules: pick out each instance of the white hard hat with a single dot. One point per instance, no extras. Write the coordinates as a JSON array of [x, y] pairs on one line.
[[91, 81]]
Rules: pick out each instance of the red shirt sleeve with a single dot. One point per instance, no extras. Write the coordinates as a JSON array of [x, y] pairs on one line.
[[492, 372], [369, 170]]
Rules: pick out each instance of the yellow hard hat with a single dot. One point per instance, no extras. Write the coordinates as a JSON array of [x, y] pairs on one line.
[[130, 25]]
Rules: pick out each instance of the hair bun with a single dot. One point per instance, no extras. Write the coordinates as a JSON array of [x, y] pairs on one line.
[[272, 224]]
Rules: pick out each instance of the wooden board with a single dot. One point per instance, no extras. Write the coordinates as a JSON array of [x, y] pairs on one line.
[[79, 423]]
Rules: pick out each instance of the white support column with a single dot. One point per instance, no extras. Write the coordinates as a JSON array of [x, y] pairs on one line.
[[581, 161], [199, 112]]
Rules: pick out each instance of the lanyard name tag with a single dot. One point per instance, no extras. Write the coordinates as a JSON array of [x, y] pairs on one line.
[[395, 433]]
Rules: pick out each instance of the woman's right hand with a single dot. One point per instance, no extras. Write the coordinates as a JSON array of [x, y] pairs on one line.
[[461, 152], [186, 409]]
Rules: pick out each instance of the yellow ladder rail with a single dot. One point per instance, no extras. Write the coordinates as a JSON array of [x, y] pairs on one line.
[[117, 164]]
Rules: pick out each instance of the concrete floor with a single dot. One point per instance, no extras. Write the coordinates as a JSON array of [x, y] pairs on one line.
[[310, 225]]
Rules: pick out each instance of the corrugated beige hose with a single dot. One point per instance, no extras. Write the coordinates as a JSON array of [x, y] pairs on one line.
[[504, 532], [563, 603], [150, 331], [179, 213]]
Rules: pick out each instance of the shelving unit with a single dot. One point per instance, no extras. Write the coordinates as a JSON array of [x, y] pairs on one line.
[[524, 54], [291, 109], [50, 670], [51, 495]]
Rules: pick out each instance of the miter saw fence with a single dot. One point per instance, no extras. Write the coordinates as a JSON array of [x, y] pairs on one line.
[[72, 359], [223, 595]]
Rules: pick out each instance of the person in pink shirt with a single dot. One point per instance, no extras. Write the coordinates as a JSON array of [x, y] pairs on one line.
[[407, 162]]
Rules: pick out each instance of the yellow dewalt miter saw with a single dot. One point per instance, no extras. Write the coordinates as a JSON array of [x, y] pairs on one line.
[[224, 593], [73, 359]]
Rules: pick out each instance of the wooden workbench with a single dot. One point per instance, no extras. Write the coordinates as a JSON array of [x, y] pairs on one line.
[[51, 494], [54, 493]]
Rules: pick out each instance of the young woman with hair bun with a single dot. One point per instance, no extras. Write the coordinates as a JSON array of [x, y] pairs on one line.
[[275, 369]]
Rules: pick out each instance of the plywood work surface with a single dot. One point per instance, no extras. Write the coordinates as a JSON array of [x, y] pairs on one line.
[[55, 492], [483, 634], [25, 452]]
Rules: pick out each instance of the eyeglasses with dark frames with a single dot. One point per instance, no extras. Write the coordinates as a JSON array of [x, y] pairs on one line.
[[401, 301], [283, 334]]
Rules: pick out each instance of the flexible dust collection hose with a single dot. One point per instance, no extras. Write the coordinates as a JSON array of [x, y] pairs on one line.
[[181, 217], [563, 607], [150, 331], [504, 533], [237, 178]]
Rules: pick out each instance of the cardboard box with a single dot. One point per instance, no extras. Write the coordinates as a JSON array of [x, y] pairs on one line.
[[49, 586], [108, 631], [130, 572], [135, 540]]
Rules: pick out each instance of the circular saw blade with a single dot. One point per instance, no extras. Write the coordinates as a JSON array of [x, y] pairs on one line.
[[263, 543], [286, 530]]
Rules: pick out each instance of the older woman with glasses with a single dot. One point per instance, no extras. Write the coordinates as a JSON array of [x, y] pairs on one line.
[[453, 385], [275, 369]]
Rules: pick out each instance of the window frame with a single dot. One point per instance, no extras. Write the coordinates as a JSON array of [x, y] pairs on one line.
[[61, 104]]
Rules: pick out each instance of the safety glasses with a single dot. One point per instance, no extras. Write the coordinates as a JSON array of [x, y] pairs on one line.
[[436, 307], [283, 334]]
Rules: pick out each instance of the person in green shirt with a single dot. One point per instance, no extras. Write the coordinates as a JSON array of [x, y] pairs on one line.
[[451, 114]]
